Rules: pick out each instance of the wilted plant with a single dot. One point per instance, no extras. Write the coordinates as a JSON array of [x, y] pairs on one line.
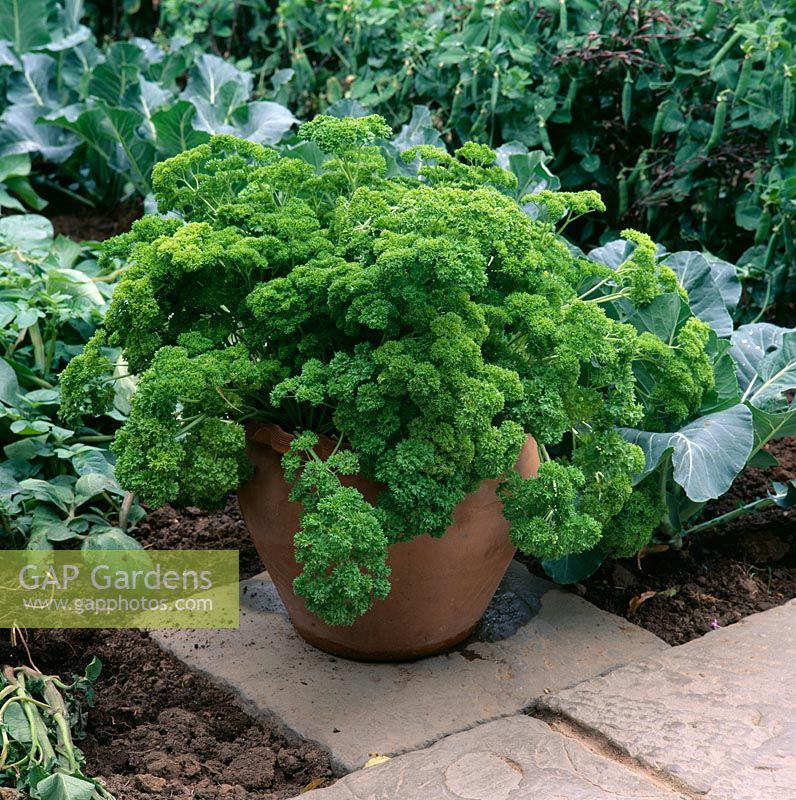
[[40, 718]]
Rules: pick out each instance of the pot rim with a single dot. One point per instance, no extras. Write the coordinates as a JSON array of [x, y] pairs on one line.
[[276, 437]]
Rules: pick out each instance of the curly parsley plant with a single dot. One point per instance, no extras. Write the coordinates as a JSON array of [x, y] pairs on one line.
[[412, 311]]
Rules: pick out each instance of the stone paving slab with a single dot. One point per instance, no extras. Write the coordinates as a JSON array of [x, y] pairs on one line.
[[534, 638], [516, 758], [718, 713]]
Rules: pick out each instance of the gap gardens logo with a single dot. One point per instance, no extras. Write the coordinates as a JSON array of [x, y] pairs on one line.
[[119, 589]]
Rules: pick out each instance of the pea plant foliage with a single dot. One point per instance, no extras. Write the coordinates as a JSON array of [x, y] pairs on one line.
[[412, 305]]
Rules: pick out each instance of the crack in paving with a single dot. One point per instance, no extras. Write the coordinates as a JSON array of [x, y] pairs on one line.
[[597, 743]]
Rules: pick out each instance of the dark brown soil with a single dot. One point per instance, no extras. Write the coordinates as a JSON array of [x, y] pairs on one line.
[[97, 224], [191, 529], [720, 576], [161, 731]]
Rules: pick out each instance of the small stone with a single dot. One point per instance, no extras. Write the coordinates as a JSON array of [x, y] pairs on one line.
[[623, 577], [287, 761], [253, 769], [149, 783]]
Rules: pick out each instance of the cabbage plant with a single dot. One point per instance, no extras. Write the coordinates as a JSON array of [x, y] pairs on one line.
[[749, 405], [103, 116]]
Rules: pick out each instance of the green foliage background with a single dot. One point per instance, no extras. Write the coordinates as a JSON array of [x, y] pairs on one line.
[[681, 114]]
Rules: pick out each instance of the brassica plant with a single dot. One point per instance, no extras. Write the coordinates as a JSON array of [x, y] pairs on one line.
[[16, 191], [102, 117], [749, 405], [409, 305]]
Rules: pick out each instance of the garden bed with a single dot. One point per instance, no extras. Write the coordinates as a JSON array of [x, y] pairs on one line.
[[162, 731]]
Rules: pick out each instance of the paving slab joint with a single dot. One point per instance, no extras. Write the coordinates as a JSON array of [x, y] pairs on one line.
[[595, 742]]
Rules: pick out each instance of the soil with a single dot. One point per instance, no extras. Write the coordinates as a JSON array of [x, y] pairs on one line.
[[161, 731], [95, 224], [171, 528], [720, 576]]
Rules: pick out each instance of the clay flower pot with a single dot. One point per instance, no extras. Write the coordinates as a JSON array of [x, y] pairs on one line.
[[440, 587]]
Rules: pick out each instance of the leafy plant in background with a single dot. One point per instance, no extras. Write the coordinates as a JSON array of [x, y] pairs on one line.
[[236, 28], [56, 484], [103, 118], [16, 191], [748, 407], [40, 719], [680, 114], [674, 111], [226, 27], [454, 324]]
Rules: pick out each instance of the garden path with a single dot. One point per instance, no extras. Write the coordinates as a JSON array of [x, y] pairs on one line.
[[713, 719], [552, 698], [534, 639]]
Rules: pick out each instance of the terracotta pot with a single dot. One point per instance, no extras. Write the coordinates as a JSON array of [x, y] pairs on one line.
[[440, 587]]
